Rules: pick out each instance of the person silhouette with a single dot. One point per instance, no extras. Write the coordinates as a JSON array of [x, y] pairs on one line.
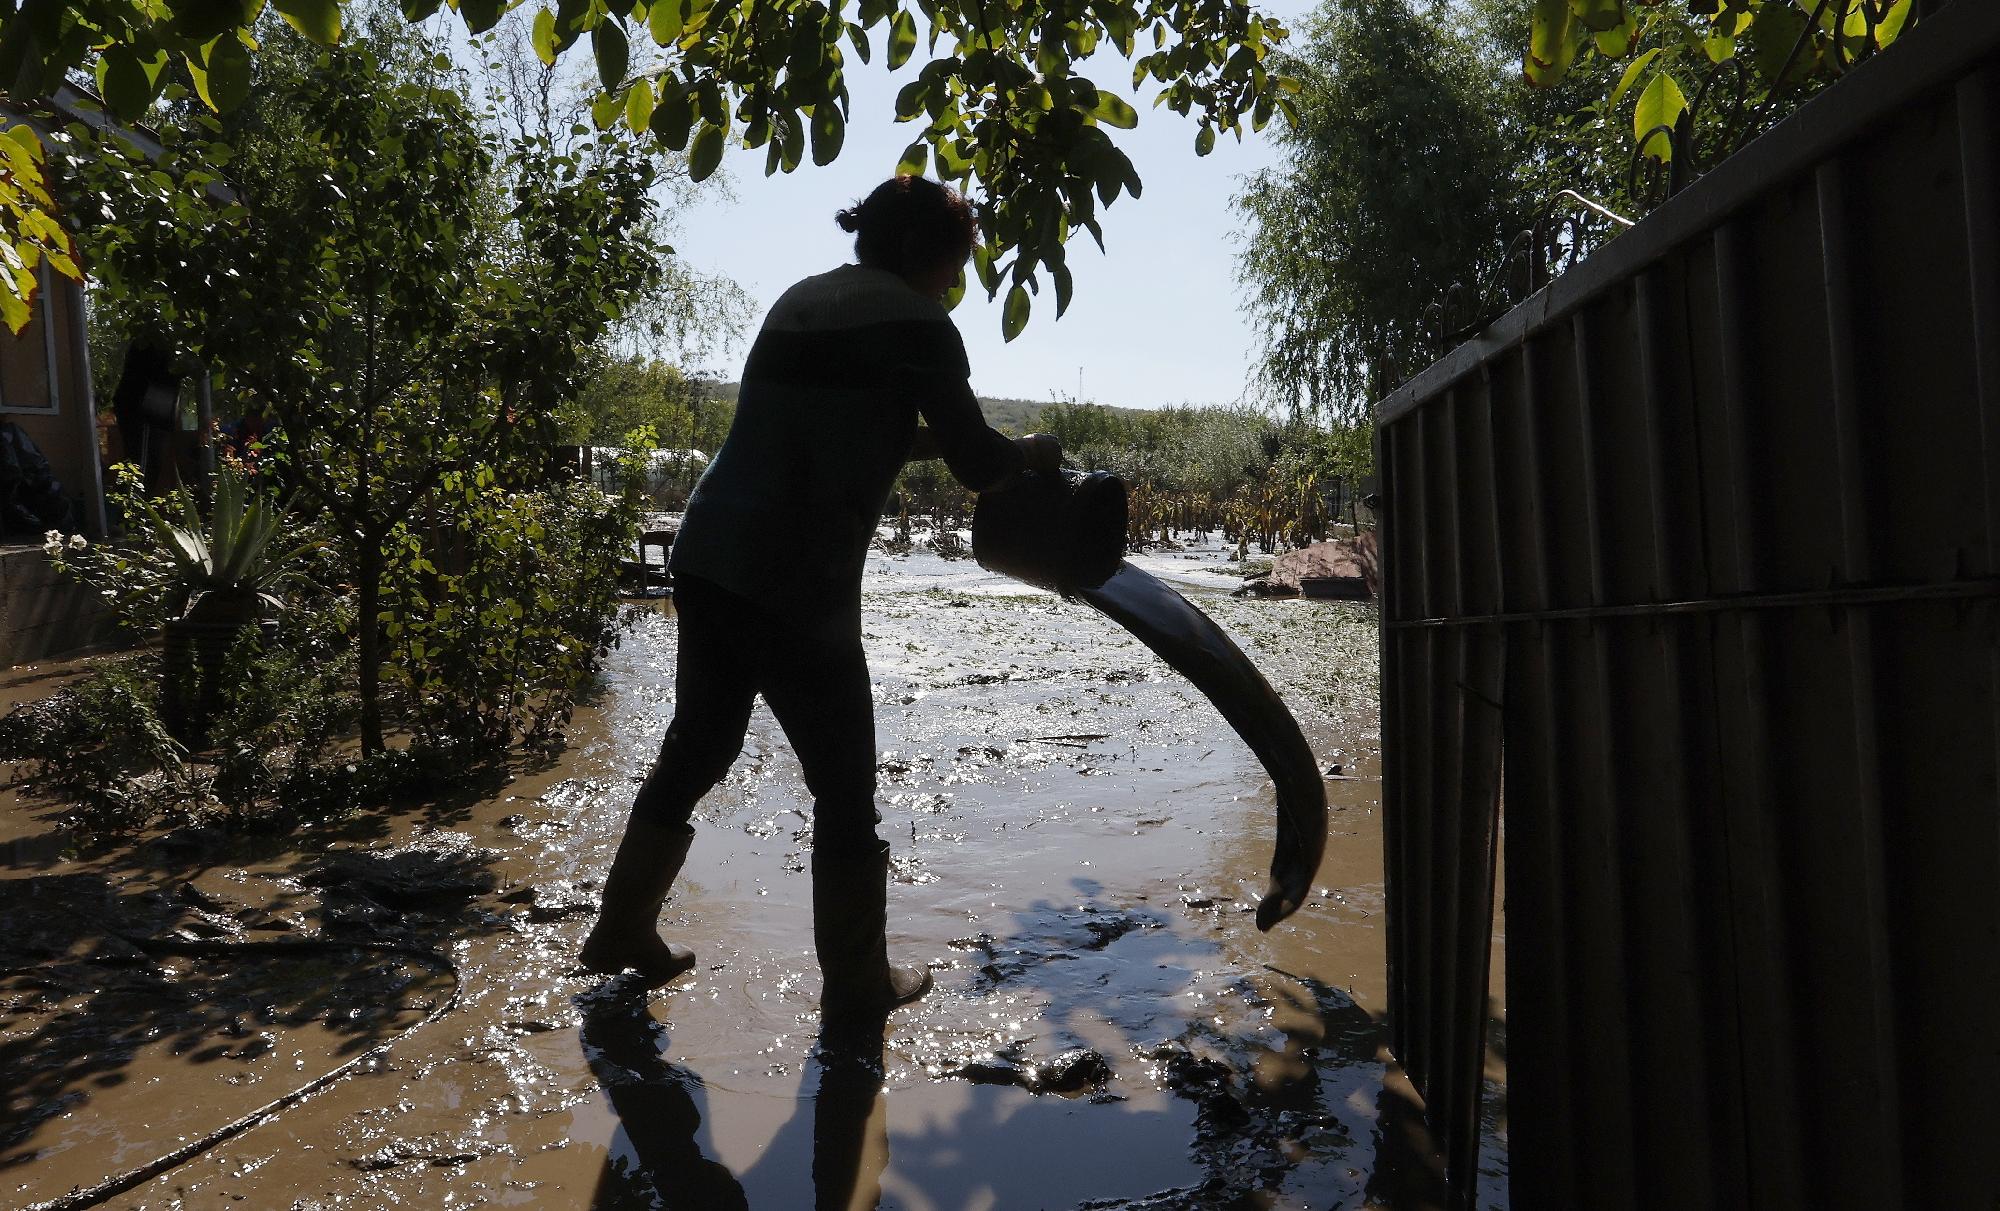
[[845, 366]]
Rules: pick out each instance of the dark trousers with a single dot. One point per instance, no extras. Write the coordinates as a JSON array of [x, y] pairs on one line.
[[733, 648]]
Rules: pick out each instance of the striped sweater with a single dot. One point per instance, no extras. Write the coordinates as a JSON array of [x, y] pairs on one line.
[[843, 367]]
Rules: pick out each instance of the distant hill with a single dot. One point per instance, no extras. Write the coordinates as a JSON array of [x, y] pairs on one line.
[[1012, 416], [1018, 416]]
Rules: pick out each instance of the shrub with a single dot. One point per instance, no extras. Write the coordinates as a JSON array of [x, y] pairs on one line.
[[99, 744], [499, 609], [503, 607]]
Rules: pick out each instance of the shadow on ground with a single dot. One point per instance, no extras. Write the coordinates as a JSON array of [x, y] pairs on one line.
[[103, 1029]]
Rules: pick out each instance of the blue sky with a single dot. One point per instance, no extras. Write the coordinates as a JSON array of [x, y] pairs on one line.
[[1157, 317]]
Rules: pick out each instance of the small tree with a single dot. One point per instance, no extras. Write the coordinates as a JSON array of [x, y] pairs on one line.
[[405, 298], [621, 393]]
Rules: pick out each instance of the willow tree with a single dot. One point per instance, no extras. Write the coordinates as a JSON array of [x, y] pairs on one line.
[[997, 102], [1395, 192]]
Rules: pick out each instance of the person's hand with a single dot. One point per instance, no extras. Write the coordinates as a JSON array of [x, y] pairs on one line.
[[1041, 452]]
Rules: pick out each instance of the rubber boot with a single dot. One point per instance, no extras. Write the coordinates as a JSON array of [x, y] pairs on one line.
[[850, 914], [627, 931]]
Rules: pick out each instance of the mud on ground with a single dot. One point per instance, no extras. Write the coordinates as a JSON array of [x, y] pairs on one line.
[[1079, 841]]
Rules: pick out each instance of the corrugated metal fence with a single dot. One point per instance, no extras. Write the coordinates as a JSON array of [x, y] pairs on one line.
[[1697, 551]]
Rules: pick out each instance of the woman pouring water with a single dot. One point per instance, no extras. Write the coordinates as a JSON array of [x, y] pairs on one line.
[[843, 368]]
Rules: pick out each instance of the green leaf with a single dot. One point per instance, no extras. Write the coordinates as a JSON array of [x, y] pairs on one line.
[[1109, 182], [673, 117], [952, 161], [606, 110], [1112, 110], [482, 15], [792, 139], [859, 38], [228, 75], [613, 52], [1890, 27], [318, 20], [706, 152], [1261, 114], [1554, 34], [914, 158], [1065, 288], [902, 39], [1662, 104], [543, 37], [1631, 75], [1014, 315], [664, 21], [127, 83], [1598, 15], [15, 311], [829, 130], [1773, 33], [709, 103], [1123, 162], [1204, 140], [1616, 42], [204, 20], [199, 74], [639, 105]]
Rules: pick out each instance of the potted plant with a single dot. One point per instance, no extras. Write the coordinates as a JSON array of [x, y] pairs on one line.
[[227, 572]]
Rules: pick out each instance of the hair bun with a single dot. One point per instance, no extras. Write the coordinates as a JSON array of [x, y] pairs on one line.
[[848, 219]]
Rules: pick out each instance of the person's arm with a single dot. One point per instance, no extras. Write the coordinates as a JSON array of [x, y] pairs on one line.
[[979, 456], [954, 429], [1040, 451]]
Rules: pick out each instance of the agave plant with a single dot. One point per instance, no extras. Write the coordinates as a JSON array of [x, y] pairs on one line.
[[229, 563]]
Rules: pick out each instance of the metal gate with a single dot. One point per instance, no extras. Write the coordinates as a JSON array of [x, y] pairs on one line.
[[1705, 539]]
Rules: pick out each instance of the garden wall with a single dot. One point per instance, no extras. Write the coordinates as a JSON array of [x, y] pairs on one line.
[[43, 613]]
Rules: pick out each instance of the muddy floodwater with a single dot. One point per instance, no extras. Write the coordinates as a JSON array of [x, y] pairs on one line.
[[1079, 843]]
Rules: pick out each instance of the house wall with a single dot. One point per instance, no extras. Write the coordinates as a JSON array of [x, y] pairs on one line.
[[45, 391]]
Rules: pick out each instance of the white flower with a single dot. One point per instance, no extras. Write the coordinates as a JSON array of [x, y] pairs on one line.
[[78, 542], [52, 537], [52, 547]]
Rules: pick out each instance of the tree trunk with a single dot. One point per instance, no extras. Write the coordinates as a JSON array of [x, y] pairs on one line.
[[368, 571]]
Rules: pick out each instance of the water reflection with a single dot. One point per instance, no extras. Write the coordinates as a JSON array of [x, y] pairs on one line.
[[658, 1105], [850, 1126], [658, 1161]]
